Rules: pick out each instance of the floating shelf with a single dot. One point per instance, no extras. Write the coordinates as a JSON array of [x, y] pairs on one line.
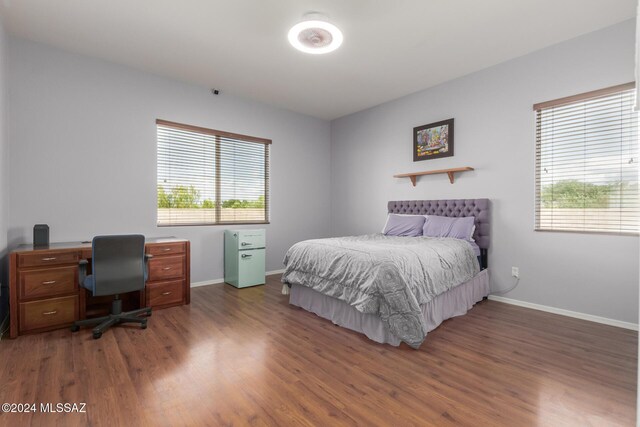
[[450, 172]]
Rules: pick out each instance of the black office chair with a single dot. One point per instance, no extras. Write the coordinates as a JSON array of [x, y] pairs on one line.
[[118, 265]]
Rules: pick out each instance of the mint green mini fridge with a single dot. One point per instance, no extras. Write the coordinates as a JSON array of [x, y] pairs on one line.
[[244, 261]]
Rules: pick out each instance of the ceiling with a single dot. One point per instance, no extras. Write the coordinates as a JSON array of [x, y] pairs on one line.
[[391, 48]]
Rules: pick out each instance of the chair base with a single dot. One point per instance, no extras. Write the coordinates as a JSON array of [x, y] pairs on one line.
[[116, 317]]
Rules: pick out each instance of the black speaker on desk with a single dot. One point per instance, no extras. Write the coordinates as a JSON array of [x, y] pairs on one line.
[[41, 235]]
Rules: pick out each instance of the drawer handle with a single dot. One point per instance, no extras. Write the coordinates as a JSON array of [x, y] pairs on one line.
[[166, 293], [49, 313], [246, 256], [49, 282], [167, 268], [49, 259], [166, 249]]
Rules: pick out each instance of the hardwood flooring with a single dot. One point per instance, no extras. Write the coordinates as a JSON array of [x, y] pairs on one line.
[[245, 357]]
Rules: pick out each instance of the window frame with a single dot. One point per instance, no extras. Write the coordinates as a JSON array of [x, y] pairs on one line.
[[573, 99], [218, 134]]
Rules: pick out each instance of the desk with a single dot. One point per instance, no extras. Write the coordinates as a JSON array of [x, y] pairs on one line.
[[44, 293]]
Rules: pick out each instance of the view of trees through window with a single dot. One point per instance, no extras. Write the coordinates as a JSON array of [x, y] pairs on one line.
[[587, 163], [576, 194], [211, 177], [189, 198]]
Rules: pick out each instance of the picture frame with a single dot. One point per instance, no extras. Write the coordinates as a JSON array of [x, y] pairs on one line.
[[433, 141]]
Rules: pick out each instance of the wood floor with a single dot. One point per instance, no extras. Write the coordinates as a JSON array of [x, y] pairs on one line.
[[245, 357]]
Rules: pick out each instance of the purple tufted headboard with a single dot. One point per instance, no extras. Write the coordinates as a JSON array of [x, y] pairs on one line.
[[478, 208]]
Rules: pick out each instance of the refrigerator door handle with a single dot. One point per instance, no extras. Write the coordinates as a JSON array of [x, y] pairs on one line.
[[246, 256]]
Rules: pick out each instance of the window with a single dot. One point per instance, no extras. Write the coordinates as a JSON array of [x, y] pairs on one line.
[[587, 163], [207, 176]]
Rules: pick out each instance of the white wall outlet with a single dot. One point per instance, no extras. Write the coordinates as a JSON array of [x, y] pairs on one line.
[[515, 272]]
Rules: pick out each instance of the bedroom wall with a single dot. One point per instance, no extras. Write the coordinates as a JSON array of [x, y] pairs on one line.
[[495, 134], [83, 154], [4, 176]]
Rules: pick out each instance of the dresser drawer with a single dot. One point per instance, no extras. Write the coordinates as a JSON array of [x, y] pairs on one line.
[[36, 259], [166, 267], [165, 293], [48, 313], [165, 248], [47, 282]]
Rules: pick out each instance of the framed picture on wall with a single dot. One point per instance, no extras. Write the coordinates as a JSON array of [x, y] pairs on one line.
[[433, 141]]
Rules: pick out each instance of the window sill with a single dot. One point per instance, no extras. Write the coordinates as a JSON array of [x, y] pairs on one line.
[[212, 224], [604, 233]]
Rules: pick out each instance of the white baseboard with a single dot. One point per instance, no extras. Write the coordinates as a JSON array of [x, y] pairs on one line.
[[568, 313], [206, 283], [548, 309], [216, 281]]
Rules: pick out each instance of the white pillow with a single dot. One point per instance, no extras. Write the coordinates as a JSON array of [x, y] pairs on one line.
[[444, 226], [384, 227]]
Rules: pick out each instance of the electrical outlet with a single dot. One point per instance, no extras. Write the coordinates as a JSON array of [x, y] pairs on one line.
[[515, 272]]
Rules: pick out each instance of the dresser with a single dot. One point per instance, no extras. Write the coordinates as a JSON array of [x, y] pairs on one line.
[[44, 293]]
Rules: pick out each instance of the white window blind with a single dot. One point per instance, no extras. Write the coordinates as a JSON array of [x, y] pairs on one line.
[[587, 163], [207, 176]]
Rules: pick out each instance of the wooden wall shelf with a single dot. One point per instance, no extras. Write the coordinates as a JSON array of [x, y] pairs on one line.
[[450, 172]]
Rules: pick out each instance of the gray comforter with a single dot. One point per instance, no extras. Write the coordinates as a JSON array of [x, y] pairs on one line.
[[384, 275]]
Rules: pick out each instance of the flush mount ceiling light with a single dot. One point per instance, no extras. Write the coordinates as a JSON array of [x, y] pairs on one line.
[[315, 35]]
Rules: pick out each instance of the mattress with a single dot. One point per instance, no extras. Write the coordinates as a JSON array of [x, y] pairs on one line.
[[455, 302], [476, 248], [389, 276]]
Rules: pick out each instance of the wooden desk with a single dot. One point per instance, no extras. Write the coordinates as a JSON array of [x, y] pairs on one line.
[[44, 293]]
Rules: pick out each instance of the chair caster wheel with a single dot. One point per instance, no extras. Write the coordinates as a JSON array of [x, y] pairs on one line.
[[143, 325], [75, 328], [97, 335]]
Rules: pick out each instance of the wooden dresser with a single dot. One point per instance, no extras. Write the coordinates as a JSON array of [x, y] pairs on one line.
[[44, 292]]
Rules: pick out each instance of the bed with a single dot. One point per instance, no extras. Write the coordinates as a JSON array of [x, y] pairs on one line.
[[394, 289]]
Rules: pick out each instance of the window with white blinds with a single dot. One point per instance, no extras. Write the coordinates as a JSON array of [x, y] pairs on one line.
[[209, 177], [587, 163]]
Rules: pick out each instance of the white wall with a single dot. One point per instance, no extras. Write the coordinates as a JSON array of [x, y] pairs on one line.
[[82, 159], [4, 175], [83, 154], [495, 133]]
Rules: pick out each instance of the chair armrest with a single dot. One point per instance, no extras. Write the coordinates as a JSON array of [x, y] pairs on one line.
[[82, 271], [147, 257]]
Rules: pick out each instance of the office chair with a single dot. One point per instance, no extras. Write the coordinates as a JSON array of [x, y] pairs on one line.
[[118, 265]]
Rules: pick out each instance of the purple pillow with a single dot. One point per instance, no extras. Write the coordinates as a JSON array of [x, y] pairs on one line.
[[404, 225], [442, 226]]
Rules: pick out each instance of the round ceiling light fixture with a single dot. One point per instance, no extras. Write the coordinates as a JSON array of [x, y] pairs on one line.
[[315, 35]]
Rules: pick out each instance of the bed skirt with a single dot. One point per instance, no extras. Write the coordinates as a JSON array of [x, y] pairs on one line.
[[455, 302]]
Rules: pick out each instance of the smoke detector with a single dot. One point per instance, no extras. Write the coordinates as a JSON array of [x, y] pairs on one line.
[[315, 35]]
